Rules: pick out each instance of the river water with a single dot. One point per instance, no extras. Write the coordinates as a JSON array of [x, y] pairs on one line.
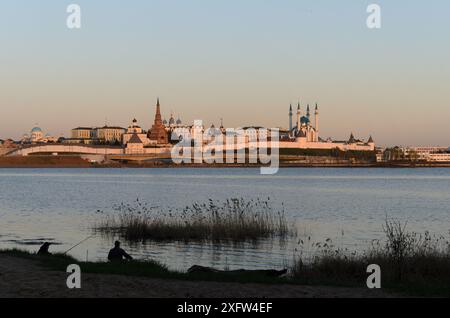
[[348, 206]]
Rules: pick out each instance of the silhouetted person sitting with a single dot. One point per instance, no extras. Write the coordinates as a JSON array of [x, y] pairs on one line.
[[44, 249], [118, 254]]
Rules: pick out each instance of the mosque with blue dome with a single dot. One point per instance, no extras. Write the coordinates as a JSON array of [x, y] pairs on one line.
[[303, 126], [304, 134]]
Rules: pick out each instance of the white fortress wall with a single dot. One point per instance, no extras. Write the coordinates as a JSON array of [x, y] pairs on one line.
[[67, 149], [326, 145]]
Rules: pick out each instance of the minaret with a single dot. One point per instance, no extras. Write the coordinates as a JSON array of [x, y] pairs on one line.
[[290, 118], [298, 116], [308, 113], [316, 122]]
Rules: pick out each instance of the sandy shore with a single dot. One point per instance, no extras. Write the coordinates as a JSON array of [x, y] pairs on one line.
[[23, 278]]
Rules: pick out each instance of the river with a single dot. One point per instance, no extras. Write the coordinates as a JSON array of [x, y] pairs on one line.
[[348, 206]]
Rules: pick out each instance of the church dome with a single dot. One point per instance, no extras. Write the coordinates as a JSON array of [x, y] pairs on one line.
[[171, 121], [165, 122], [179, 121]]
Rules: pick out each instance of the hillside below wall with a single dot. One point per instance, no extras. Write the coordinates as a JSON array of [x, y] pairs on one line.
[[43, 162], [4, 151]]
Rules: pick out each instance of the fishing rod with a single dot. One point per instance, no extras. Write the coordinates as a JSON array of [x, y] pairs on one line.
[[78, 244]]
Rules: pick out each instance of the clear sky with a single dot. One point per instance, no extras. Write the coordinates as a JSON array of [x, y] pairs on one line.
[[240, 60]]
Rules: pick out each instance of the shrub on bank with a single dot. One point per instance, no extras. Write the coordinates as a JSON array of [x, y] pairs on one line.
[[418, 264]]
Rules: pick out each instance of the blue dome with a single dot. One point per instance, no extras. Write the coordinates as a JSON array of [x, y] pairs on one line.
[[36, 129], [304, 120]]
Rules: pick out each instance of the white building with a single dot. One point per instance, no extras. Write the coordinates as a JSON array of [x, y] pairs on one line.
[[110, 134], [429, 153], [96, 135], [439, 157], [83, 133], [135, 129], [134, 146]]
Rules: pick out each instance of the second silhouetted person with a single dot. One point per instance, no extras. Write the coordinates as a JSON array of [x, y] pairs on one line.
[[118, 254]]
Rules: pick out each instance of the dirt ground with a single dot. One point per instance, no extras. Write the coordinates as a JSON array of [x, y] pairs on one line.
[[23, 278]]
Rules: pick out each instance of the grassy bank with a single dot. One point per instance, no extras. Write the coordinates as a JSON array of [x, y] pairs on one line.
[[136, 268], [231, 220]]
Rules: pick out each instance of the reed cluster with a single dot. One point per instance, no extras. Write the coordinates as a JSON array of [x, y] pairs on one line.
[[229, 220]]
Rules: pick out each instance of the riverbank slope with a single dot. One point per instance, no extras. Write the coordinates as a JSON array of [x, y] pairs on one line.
[[78, 162], [27, 278]]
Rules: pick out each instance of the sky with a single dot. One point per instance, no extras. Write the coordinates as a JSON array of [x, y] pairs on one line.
[[241, 60]]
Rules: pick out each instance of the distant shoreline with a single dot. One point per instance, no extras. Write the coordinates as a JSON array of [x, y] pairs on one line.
[[78, 162]]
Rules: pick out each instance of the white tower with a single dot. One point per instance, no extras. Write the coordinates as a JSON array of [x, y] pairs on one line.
[[316, 122], [290, 118], [298, 117], [308, 113]]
